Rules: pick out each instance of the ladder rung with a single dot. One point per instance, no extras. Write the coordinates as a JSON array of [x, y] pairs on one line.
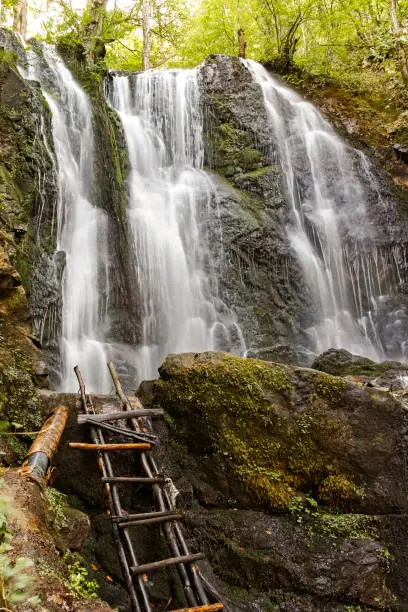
[[127, 446], [141, 437], [156, 565], [175, 516], [143, 515], [117, 416], [208, 608], [134, 479]]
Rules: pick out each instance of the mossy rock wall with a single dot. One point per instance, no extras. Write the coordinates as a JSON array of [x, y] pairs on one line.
[[28, 195], [258, 275]]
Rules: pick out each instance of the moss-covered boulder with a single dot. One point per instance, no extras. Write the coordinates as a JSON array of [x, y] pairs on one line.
[[340, 362], [290, 480], [270, 433]]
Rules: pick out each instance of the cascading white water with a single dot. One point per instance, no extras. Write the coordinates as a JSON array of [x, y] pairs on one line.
[[82, 227], [169, 196], [326, 196]]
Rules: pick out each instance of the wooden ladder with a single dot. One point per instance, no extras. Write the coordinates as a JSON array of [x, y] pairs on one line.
[[137, 428]]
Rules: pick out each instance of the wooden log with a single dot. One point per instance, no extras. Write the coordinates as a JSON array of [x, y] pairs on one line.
[[171, 516], [156, 565], [127, 433], [41, 452], [117, 416], [141, 515], [119, 389], [209, 608], [134, 479], [109, 447]]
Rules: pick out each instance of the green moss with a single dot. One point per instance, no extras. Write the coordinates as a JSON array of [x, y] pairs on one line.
[[258, 172], [349, 526], [329, 387], [336, 489], [58, 503], [235, 149]]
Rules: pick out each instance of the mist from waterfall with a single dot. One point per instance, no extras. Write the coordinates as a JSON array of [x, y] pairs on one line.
[[322, 185], [169, 197]]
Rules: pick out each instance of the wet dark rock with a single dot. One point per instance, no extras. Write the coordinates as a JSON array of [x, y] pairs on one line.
[[41, 373], [75, 529], [401, 152], [339, 362]]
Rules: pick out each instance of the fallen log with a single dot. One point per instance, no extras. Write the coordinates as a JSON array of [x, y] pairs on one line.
[[38, 459]]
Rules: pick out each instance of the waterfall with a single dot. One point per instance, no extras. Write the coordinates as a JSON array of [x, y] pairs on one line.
[[81, 226], [169, 196], [326, 195]]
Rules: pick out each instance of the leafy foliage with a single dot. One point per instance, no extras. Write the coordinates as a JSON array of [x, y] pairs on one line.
[[14, 580], [78, 580]]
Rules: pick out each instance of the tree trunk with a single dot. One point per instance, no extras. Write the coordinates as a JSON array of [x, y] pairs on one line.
[[146, 24], [20, 18], [401, 48], [241, 43], [97, 10], [94, 43]]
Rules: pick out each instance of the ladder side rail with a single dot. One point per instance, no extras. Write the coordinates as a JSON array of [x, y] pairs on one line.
[[157, 493], [150, 468], [115, 506]]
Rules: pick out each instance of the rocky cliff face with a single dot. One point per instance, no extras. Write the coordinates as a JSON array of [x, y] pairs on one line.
[[259, 277], [29, 294], [259, 272]]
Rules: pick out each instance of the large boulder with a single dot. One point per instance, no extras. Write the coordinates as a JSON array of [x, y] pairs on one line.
[[278, 431], [290, 479]]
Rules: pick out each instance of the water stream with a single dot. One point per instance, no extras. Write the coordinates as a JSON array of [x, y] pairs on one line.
[[169, 196], [81, 226], [327, 199]]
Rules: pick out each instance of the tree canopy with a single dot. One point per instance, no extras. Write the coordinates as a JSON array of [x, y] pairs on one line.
[[351, 39]]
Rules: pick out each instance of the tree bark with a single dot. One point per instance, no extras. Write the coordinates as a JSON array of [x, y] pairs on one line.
[[97, 10], [20, 18], [241, 43], [402, 51], [94, 43], [146, 25]]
